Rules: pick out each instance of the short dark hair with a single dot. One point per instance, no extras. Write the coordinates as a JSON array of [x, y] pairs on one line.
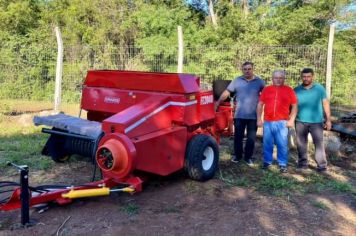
[[307, 70], [247, 63]]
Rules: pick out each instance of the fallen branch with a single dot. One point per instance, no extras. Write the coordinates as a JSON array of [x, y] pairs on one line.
[[62, 225]]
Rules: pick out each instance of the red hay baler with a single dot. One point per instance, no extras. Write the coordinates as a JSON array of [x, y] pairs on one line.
[[136, 122]]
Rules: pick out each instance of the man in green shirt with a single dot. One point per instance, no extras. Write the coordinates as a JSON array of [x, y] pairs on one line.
[[312, 104]]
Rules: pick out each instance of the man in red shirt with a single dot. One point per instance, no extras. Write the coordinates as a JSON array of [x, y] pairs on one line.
[[276, 101]]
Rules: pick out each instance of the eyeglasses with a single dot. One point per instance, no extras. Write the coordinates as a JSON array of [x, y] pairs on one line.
[[246, 68]]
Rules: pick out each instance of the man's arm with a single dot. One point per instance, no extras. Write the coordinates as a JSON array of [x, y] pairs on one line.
[[292, 115], [326, 106], [259, 111], [222, 97]]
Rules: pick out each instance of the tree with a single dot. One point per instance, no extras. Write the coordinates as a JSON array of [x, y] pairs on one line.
[[212, 14], [245, 7]]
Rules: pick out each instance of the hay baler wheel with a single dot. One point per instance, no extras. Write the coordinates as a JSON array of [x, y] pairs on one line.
[[202, 157]]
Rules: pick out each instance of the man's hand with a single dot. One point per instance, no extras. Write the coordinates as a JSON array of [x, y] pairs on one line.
[[326, 106], [290, 123], [327, 125], [222, 97], [216, 105], [259, 123]]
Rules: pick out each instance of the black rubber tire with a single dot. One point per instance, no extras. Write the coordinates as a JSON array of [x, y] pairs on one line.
[[194, 157]]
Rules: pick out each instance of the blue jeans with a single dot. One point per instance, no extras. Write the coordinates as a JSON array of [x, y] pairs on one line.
[[275, 132]]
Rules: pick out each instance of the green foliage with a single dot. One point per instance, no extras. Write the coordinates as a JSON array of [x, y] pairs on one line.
[[142, 35], [344, 73], [18, 17]]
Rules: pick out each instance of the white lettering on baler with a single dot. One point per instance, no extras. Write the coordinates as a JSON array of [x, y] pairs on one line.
[[112, 100], [206, 99]]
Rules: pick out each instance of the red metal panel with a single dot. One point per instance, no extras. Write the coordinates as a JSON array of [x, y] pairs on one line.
[[153, 113], [191, 115], [111, 100], [161, 152], [160, 121], [148, 81], [206, 106], [150, 115]]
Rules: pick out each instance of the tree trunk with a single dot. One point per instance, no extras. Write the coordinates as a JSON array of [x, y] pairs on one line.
[[212, 14], [245, 9]]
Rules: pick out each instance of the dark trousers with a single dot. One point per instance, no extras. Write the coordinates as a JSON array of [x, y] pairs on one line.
[[240, 126], [316, 131]]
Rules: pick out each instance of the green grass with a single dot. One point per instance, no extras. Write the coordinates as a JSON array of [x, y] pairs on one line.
[[339, 187], [171, 209], [17, 106], [192, 186], [130, 209], [229, 178], [317, 183], [320, 205], [23, 145], [274, 183]]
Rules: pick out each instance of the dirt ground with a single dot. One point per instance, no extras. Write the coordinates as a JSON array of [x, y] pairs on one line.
[[176, 205]]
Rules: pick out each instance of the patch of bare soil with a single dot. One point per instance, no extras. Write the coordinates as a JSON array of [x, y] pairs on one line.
[[177, 205]]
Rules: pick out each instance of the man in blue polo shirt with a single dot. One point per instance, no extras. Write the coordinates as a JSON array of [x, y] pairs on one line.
[[247, 89], [312, 104]]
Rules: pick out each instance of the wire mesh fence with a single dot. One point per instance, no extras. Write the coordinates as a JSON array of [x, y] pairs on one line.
[[27, 74]]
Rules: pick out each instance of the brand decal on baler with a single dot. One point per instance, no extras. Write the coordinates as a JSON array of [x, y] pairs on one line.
[[161, 108], [206, 99], [112, 100]]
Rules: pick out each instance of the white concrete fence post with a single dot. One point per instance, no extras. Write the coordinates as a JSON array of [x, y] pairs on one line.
[[329, 60], [180, 50], [59, 70]]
